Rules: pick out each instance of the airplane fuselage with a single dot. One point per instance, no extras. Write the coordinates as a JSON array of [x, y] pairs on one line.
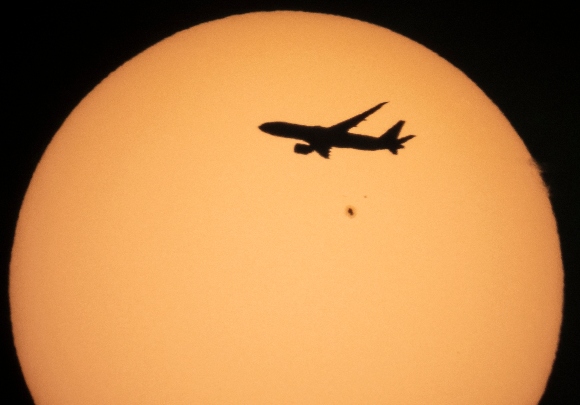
[[321, 136]]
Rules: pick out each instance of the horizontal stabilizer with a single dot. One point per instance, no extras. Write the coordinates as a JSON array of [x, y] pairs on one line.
[[391, 140]]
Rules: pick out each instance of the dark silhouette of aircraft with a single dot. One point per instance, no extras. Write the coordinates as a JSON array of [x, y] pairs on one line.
[[321, 139]]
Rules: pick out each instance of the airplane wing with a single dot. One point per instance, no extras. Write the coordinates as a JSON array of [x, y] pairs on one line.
[[323, 151], [357, 119]]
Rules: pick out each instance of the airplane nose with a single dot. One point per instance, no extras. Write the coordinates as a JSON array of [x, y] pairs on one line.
[[274, 128], [266, 127]]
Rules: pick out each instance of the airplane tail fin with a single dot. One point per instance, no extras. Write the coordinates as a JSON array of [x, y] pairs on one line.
[[391, 140]]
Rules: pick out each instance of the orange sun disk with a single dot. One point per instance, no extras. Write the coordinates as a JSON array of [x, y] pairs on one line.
[[168, 251]]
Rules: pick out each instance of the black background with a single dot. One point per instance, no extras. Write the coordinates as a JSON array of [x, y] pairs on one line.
[[523, 59]]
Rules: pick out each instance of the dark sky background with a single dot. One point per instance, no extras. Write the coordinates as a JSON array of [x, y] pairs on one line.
[[522, 59]]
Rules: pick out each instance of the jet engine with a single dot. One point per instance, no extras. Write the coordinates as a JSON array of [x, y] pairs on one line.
[[303, 149]]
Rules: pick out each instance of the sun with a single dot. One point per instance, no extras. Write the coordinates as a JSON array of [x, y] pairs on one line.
[[168, 250]]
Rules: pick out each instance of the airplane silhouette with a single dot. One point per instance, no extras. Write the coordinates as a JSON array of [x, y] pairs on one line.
[[321, 139]]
